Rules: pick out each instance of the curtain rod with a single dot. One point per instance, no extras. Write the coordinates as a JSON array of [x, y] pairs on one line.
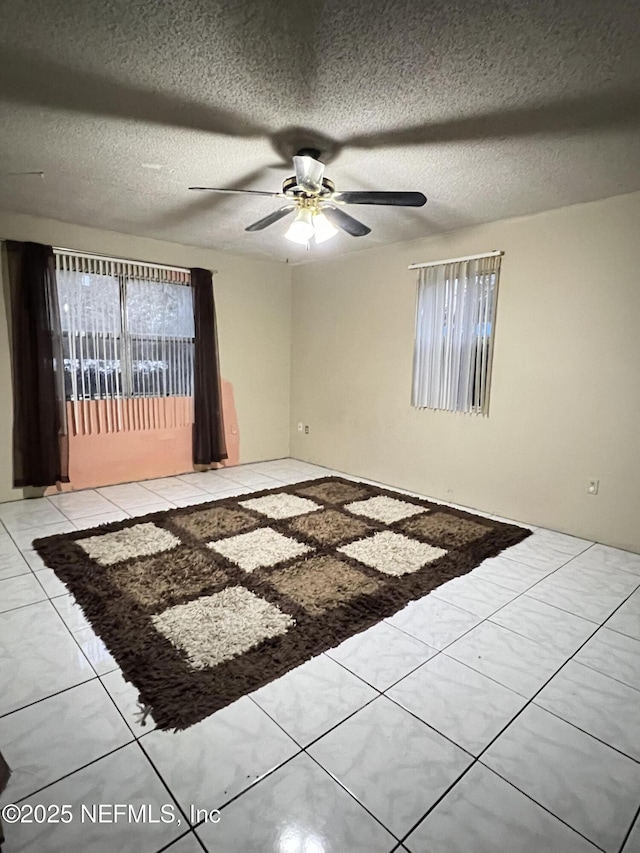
[[455, 260], [59, 250], [75, 253]]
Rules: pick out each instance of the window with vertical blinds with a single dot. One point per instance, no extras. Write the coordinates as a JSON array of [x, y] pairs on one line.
[[455, 319], [127, 329]]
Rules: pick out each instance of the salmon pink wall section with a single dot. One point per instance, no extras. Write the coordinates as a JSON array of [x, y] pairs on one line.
[[123, 440], [119, 457], [155, 440], [231, 431]]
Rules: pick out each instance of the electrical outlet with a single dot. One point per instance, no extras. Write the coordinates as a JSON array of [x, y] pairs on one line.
[[593, 487], [306, 430], [300, 426]]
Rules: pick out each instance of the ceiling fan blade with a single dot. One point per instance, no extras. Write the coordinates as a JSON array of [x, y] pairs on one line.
[[309, 173], [244, 192], [199, 204], [400, 199], [342, 220], [271, 218]]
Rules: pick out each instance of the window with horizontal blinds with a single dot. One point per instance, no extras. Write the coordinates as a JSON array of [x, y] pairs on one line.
[[453, 347], [127, 329]]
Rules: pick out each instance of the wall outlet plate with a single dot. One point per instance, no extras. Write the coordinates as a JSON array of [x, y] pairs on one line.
[[306, 430], [593, 487]]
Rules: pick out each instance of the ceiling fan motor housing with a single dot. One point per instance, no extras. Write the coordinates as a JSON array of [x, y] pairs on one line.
[[309, 152], [290, 187]]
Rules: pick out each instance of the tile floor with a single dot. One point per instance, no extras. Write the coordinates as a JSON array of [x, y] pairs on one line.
[[500, 714]]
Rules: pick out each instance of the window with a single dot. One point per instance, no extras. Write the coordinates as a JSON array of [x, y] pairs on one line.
[[455, 317], [127, 329]]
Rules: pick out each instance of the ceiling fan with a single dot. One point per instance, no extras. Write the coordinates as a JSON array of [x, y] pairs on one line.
[[318, 207]]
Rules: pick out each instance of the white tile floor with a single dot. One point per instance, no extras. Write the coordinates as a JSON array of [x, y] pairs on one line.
[[500, 714]]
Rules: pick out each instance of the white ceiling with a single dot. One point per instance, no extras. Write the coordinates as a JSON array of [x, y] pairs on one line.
[[492, 108]]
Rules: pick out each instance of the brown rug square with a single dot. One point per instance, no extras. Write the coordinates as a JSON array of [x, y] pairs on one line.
[[329, 527], [322, 583], [201, 605], [214, 521], [445, 530]]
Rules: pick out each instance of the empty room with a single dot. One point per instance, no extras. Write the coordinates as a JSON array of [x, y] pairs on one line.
[[319, 443]]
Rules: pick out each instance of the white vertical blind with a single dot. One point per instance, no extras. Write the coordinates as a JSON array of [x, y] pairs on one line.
[[455, 318], [128, 333], [160, 328]]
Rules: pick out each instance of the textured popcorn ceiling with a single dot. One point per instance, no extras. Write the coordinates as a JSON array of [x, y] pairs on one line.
[[491, 108]]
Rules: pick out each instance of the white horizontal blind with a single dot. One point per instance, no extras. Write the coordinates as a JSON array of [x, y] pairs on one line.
[[455, 318], [128, 333]]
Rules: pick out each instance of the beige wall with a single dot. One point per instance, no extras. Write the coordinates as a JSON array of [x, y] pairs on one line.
[[565, 402], [253, 304]]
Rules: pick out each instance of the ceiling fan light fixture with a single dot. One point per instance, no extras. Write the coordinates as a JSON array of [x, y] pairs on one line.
[[322, 229], [301, 229]]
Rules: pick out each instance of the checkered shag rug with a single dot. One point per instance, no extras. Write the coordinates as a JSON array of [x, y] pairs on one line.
[[203, 604]]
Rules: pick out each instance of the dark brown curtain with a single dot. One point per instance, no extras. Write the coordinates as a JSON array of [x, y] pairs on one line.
[[40, 447], [208, 426]]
